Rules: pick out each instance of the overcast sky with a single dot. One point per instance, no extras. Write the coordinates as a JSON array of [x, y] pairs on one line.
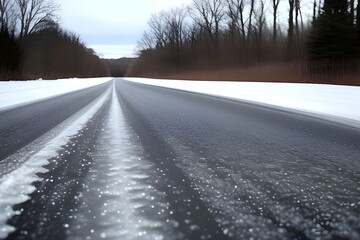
[[111, 27]]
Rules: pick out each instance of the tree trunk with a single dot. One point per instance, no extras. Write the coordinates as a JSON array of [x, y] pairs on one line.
[[358, 15], [275, 10], [250, 18], [358, 19], [319, 8], [297, 9], [352, 12], [314, 12], [291, 30], [242, 22], [248, 47]]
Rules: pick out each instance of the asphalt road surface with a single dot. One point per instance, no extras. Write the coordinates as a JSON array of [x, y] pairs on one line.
[[157, 163]]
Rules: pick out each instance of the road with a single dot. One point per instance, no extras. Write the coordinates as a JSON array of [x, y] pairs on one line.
[[157, 163]]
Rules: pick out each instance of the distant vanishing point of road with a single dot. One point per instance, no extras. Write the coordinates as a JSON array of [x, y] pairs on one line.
[[123, 160]]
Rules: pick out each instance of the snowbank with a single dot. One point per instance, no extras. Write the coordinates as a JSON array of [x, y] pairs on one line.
[[340, 103], [15, 93]]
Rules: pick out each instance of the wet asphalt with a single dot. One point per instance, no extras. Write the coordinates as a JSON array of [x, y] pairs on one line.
[[220, 169]]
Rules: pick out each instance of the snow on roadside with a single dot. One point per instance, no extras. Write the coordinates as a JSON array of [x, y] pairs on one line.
[[15, 93], [340, 103]]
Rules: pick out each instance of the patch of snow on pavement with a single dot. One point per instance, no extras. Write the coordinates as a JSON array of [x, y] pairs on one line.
[[16, 185], [15, 93], [341, 103], [119, 197]]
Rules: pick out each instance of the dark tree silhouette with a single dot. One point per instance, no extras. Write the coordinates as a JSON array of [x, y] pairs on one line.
[[42, 48], [275, 5], [9, 54], [53, 53], [333, 36], [291, 29]]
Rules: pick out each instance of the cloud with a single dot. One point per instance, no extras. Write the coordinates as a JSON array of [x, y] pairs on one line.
[[111, 22]]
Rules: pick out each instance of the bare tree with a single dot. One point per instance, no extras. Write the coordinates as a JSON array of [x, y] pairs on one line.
[[159, 28], [209, 14], [251, 13], [319, 8], [7, 15], [166, 30], [352, 11], [146, 42], [175, 21], [314, 12], [298, 14], [260, 19], [192, 33], [3, 13], [35, 14], [296, 6], [291, 29], [275, 4], [236, 15], [358, 16]]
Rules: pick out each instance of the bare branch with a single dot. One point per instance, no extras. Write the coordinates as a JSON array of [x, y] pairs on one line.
[[7, 15], [35, 14], [209, 15]]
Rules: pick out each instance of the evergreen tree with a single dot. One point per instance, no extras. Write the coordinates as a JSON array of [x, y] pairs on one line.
[[333, 35]]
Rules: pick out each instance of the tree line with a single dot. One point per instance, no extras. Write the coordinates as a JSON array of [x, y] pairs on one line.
[[33, 45], [223, 33]]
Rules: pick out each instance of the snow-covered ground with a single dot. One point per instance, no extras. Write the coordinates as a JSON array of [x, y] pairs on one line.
[[340, 103], [15, 93]]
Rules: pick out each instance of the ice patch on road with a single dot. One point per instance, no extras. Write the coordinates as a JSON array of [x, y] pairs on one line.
[[17, 93], [19, 171]]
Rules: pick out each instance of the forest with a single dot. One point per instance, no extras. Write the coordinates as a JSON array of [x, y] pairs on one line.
[[33, 44], [318, 40]]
